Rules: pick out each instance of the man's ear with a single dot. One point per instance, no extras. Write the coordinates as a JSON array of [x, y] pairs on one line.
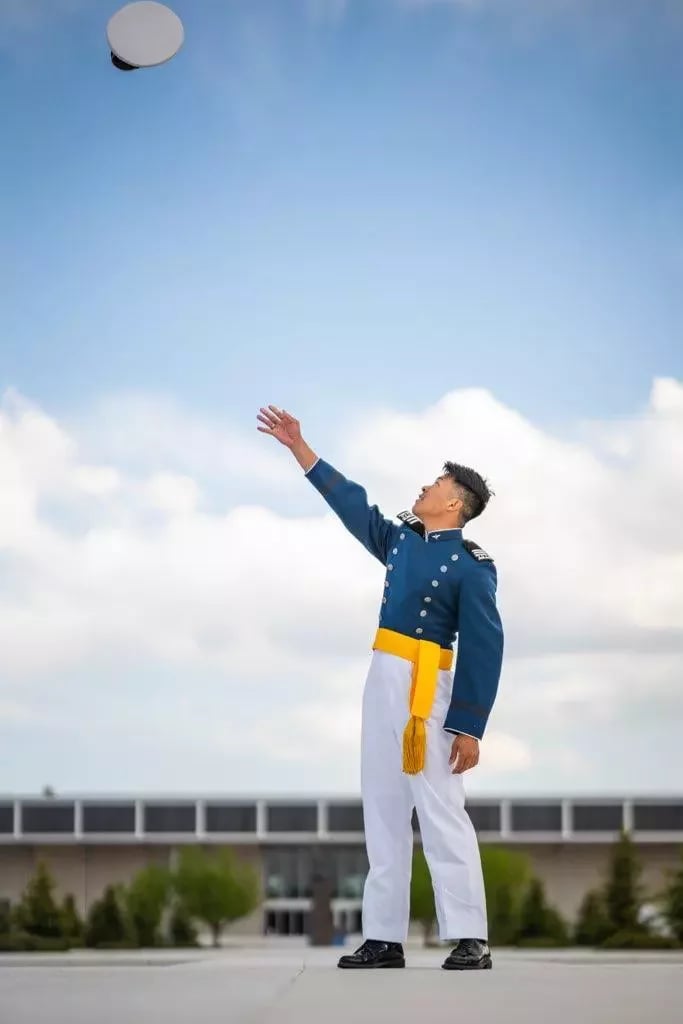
[[457, 507]]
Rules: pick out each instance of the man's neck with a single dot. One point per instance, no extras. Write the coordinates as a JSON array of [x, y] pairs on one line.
[[434, 526]]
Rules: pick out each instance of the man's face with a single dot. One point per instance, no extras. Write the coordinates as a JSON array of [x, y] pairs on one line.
[[437, 499]]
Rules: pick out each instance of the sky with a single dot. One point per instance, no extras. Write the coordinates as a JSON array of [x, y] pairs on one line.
[[432, 229]]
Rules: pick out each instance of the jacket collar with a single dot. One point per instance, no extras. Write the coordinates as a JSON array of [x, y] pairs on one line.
[[439, 536], [410, 520]]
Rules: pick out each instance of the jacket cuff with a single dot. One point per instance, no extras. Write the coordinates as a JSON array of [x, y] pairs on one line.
[[466, 722]]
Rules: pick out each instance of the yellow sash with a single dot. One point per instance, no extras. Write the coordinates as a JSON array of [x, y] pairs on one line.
[[427, 658]]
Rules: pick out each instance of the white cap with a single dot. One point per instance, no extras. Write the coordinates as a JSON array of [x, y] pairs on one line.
[[144, 35]]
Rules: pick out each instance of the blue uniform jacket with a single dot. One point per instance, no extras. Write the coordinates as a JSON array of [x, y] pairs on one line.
[[434, 589]]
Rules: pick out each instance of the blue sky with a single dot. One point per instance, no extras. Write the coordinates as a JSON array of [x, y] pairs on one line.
[[401, 198], [432, 229]]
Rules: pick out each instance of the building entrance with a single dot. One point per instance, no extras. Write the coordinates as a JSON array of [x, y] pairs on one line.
[[286, 922]]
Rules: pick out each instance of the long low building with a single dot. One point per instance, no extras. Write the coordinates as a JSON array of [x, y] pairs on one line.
[[91, 841]]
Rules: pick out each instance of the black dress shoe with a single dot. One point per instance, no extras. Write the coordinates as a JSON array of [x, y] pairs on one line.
[[374, 953], [469, 955]]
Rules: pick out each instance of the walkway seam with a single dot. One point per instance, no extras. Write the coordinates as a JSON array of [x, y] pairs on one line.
[[263, 1013]]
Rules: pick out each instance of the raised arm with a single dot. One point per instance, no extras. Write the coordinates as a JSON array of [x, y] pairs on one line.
[[346, 498]]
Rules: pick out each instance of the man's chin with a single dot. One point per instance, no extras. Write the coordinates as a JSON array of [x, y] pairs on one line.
[[416, 509]]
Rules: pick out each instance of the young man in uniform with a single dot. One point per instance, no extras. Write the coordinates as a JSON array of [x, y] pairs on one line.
[[421, 723]]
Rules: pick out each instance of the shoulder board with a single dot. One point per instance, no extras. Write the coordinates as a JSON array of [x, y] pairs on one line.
[[476, 551], [412, 522]]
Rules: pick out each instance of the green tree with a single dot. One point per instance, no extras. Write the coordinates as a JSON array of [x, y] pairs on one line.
[[37, 912], [422, 906], [106, 925], [506, 876], [539, 923], [532, 916], [622, 891], [592, 924], [72, 926], [557, 928], [181, 928], [5, 917], [146, 899], [216, 889], [673, 903]]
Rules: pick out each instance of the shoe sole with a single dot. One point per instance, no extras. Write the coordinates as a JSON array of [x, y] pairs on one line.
[[371, 967], [483, 965]]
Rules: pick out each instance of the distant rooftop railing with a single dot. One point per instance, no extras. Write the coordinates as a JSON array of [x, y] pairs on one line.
[[271, 820]]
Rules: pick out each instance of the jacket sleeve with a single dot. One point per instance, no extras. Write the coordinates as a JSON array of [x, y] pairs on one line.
[[349, 501], [480, 653]]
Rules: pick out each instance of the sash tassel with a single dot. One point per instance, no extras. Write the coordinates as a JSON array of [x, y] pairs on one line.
[[427, 659]]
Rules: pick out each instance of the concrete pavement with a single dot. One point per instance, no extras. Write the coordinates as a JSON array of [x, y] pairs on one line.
[[287, 983]]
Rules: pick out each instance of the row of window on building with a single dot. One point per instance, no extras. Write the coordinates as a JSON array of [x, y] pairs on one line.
[[296, 922], [119, 817], [290, 871]]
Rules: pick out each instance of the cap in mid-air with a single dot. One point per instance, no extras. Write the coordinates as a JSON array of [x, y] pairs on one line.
[[144, 35]]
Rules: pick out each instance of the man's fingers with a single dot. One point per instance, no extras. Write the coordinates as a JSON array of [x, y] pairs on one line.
[[464, 755], [463, 765], [275, 419], [277, 415], [456, 753], [269, 418]]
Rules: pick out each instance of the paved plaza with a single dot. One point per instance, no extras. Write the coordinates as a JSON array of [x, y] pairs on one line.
[[285, 983]]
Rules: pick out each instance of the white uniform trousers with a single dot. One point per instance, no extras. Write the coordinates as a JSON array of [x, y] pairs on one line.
[[389, 796]]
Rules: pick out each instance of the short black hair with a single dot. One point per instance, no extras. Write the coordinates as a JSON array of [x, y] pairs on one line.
[[474, 489]]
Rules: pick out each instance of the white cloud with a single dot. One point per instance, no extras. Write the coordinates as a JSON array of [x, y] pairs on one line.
[[240, 634], [148, 433]]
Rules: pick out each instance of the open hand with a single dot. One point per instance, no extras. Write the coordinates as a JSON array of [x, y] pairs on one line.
[[464, 754], [280, 425]]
